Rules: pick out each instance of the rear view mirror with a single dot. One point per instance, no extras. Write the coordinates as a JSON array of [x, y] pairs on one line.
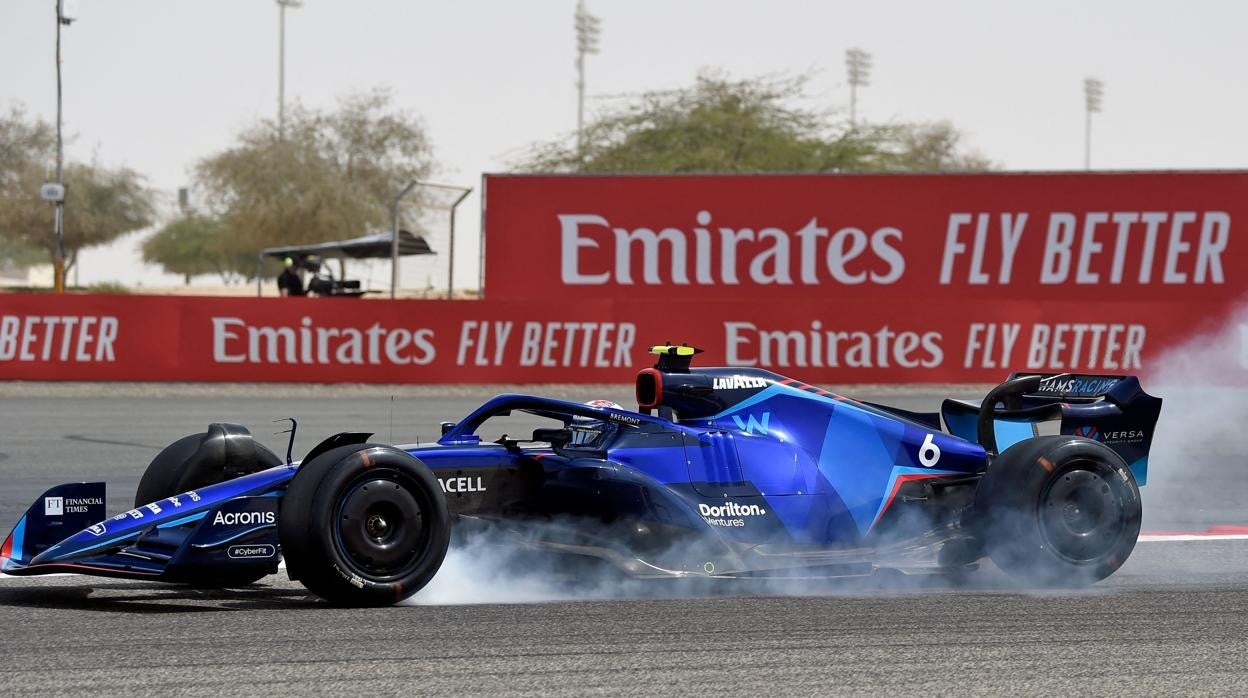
[[555, 437]]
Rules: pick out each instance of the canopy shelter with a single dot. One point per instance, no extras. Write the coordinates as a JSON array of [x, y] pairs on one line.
[[376, 246]]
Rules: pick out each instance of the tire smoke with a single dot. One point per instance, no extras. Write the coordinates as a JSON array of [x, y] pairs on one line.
[[1199, 455]]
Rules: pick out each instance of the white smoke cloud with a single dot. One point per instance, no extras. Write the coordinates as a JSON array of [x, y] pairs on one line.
[[1200, 450], [492, 568], [486, 568]]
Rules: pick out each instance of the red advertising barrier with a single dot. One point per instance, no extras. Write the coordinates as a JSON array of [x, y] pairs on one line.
[[155, 338], [829, 278], [830, 240]]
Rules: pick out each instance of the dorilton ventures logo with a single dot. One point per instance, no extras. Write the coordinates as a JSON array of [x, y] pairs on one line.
[[729, 514]]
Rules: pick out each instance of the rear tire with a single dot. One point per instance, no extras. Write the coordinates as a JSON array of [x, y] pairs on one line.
[[364, 525], [1059, 511]]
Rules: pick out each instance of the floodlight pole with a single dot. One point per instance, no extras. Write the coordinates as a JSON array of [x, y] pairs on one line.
[[58, 257], [281, 64], [1087, 140], [587, 31], [481, 248], [858, 63], [1093, 91]]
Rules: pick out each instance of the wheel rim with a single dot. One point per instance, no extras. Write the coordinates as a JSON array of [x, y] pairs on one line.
[[1082, 514], [381, 526]]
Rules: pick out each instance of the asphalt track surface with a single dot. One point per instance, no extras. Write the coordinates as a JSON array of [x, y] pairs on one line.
[[1173, 620]]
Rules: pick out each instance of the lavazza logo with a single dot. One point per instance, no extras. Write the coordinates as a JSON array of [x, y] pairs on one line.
[[243, 518], [730, 514], [736, 382]]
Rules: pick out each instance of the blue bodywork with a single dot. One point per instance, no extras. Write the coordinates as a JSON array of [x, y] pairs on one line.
[[740, 471]]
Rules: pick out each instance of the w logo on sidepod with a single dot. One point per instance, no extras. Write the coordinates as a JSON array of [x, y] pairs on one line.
[[752, 425], [1088, 432]]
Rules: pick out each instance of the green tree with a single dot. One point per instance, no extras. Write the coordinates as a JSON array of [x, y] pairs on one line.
[[929, 147], [722, 125], [193, 245], [18, 253], [332, 175], [101, 203]]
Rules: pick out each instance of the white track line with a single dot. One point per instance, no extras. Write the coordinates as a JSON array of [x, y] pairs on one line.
[[1168, 537]]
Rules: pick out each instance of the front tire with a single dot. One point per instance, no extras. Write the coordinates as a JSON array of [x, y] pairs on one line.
[[364, 525], [1059, 511], [169, 469]]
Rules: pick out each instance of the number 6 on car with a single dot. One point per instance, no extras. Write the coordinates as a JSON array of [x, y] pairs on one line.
[[929, 452]]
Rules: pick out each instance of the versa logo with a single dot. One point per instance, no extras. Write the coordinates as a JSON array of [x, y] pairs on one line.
[[750, 425]]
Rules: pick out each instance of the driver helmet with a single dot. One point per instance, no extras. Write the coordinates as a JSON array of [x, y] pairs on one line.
[[586, 430]]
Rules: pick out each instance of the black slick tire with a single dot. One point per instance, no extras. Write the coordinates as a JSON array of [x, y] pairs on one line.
[[160, 480], [1059, 511], [364, 525], [162, 475]]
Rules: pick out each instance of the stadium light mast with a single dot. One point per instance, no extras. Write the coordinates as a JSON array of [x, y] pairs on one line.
[[66, 13], [281, 63], [858, 62], [1093, 91], [588, 27]]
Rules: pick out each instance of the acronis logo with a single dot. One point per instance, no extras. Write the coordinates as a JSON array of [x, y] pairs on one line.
[[751, 425]]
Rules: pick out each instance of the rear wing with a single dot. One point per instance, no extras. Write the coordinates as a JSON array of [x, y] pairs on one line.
[[1113, 410], [1073, 387]]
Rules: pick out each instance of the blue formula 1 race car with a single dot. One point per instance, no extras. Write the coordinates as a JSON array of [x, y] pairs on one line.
[[722, 472]]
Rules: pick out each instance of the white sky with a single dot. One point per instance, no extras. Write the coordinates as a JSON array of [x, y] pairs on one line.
[[157, 84]]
